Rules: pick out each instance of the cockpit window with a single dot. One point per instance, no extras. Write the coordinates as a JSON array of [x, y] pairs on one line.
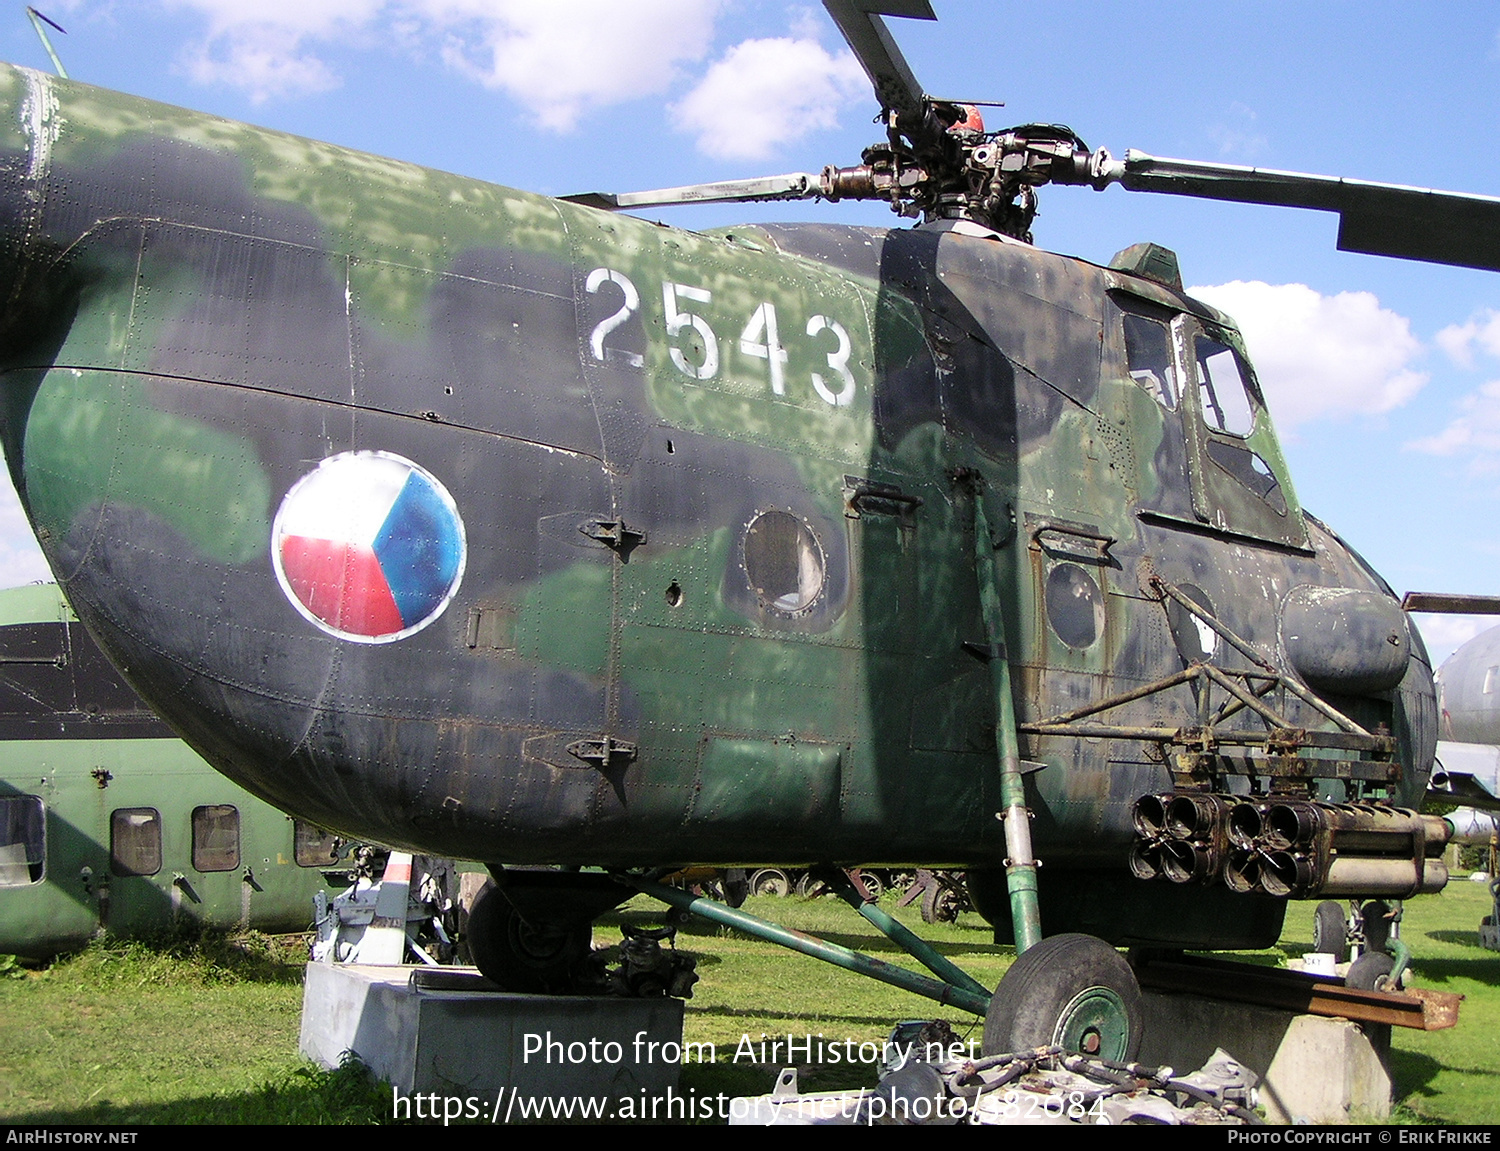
[[1249, 469], [1223, 389], [1148, 353]]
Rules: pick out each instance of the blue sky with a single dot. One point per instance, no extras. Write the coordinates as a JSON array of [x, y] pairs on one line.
[[1377, 370]]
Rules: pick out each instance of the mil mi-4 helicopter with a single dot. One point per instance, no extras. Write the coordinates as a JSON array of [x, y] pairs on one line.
[[512, 528]]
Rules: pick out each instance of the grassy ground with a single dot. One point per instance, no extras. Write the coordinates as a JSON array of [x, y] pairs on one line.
[[207, 1032], [1452, 1076]]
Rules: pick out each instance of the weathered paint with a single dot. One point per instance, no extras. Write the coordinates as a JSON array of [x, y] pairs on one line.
[[200, 311]]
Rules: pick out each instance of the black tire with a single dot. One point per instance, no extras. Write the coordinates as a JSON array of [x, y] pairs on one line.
[[1074, 991], [1330, 933], [531, 958], [1377, 927], [872, 884], [939, 905], [1370, 971], [810, 887]]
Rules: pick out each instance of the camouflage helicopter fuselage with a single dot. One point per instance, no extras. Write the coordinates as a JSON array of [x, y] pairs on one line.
[[711, 574]]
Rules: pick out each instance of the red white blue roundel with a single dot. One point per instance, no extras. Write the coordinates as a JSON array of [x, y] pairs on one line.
[[369, 547]]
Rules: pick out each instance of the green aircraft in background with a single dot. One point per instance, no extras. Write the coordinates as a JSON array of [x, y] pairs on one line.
[[108, 821]]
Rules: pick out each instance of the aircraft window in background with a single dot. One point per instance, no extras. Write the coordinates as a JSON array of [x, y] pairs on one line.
[[216, 838], [1223, 389], [312, 846], [23, 844], [783, 561], [135, 841], [1148, 352], [1490, 675]]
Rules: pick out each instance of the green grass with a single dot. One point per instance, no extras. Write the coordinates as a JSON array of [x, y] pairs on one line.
[[1451, 1076], [205, 1031], [184, 1031]]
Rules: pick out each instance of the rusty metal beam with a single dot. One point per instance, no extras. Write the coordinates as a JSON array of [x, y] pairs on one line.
[[1442, 602], [1418, 1008]]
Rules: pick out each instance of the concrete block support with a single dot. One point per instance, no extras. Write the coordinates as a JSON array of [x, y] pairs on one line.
[[457, 1040], [1313, 1070]]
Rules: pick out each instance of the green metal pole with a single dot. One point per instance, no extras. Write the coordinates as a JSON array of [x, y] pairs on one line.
[[903, 936], [1020, 864], [960, 997]]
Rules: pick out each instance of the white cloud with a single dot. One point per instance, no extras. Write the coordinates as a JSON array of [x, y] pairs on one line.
[[763, 94], [1444, 634], [1477, 430], [1458, 340], [262, 48], [1321, 356], [558, 58]]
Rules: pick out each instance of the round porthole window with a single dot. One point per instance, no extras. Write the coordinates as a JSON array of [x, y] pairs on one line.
[[1075, 606], [783, 561]]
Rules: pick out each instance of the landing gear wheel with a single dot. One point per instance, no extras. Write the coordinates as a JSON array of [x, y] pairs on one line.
[[939, 905], [873, 887], [770, 881], [1329, 932], [1374, 916], [1371, 972], [533, 958], [1073, 991]]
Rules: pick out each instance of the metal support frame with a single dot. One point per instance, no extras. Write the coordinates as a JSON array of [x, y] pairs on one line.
[[1020, 862], [899, 934], [963, 996], [1360, 754]]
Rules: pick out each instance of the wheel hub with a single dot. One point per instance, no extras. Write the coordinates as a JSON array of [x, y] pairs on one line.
[[1095, 1022]]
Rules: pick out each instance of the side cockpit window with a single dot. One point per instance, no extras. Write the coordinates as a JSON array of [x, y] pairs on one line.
[[1223, 389], [1148, 355]]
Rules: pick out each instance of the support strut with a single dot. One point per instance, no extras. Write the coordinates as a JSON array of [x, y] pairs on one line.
[[901, 935], [962, 997], [1020, 862]]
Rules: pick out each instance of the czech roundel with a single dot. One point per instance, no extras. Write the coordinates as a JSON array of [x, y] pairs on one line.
[[369, 547]]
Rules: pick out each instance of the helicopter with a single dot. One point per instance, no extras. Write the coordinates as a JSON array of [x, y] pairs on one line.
[[107, 822], [513, 528]]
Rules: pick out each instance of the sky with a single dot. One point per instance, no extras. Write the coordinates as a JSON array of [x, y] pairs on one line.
[[1383, 376]]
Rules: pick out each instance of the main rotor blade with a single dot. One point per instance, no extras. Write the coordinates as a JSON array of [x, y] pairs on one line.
[[865, 32], [791, 186], [1377, 219]]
